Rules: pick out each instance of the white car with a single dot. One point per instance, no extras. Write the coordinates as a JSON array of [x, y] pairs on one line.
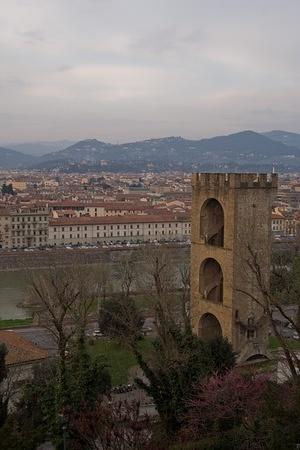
[[97, 333]]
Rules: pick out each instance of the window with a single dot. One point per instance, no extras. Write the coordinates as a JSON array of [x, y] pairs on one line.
[[85, 235], [98, 228], [71, 236], [63, 229], [85, 228], [70, 228]]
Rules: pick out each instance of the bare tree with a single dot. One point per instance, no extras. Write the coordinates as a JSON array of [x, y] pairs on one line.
[[64, 295], [184, 295], [268, 302]]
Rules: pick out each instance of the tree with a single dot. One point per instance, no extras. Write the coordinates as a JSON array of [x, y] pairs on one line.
[[65, 295], [111, 425], [118, 315], [268, 301], [3, 376], [120, 318], [88, 379], [171, 371], [178, 358], [224, 402], [7, 189]]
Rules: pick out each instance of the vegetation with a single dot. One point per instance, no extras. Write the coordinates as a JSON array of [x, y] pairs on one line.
[[14, 323], [274, 343], [118, 358], [3, 376], [7, 189], [203, 401]]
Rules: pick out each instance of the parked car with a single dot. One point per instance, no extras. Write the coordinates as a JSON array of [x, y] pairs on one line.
[[97, 333]]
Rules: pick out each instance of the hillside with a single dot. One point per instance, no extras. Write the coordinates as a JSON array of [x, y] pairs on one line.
[[39, 148], [246, 150], [243, 151], [286, 137], [12, 159]]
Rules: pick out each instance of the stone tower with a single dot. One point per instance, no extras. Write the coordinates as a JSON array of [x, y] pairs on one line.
[[231, 213]]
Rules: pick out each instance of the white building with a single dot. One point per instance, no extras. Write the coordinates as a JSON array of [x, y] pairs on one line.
[[96, 230]]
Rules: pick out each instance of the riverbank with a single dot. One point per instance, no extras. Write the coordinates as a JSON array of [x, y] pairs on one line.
[[15, 260], [15, 323]]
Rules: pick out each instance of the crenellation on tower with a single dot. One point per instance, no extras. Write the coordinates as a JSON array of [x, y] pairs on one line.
[[231, 211], [234, 180]]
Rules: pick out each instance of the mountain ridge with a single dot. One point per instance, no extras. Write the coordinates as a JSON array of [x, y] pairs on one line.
[[245, 150]]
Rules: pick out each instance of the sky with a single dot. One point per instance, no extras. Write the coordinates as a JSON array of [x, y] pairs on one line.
[[124, 70]]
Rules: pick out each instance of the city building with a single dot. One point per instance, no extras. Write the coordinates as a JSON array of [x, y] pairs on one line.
[[96, 230], [24, 227]]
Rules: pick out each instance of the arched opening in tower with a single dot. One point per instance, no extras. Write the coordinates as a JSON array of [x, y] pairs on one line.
[[209, 327], [211, 280], [212, 223]]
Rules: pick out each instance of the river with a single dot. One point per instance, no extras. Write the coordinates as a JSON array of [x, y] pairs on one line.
[[12, 292], [13, 286]]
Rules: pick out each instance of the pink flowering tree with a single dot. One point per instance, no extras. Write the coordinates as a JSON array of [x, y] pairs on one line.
[[223, 402]]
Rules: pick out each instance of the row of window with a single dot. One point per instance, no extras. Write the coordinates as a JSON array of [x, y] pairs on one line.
[[124, 234], [33, 233], [118, 227]]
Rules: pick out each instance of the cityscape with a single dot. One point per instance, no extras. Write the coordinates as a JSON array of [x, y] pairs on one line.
[[149, 225]]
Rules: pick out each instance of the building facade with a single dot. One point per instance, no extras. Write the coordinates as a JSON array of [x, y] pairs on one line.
[[231, 220], [97, 230], [24, 227]]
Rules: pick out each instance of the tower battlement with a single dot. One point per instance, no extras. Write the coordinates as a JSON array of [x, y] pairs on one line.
[[235, 180]]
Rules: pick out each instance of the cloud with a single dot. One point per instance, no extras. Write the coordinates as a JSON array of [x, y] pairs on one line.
[[33, 37], [126, 70]]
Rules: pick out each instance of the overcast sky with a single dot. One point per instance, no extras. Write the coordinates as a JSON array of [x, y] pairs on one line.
[[120, 70]]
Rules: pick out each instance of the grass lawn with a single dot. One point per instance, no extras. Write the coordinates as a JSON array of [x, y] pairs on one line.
[[14, 323], [119, 358], [274, 343]]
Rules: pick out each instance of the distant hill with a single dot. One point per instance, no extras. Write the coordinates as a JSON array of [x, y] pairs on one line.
[[39, 148], [286, 137], [246, 151], [11, 159], [243, 151]]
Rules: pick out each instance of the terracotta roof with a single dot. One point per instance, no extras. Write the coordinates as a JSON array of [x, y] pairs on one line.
[[99, 204], [277, 216], [145, 218], [20, 350]]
